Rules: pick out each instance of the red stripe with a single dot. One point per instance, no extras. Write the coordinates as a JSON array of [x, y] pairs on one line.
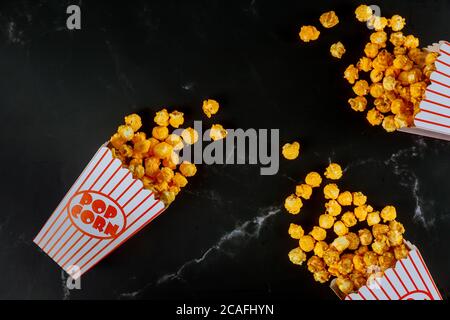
[[125, 191], [129, 200], [60, 237], [431, 122], [400, 280], [438, 93], [440, 83], [64, 244], [440, 72], [429, 274], [409, 276], [54, 233], [145, 199], [372, 293], [101, 174], [448, 65], [349, 297], [361, 295], [436, 103], [76, 252], [84, 255], [119, 183], [417, 270], [435, 113], [112, 176], [73, 245], [445, 52], [393, 287], [90, 173], [384, 291], [120, 243]]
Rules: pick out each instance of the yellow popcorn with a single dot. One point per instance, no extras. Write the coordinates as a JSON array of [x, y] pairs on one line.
[[126, 151], [217, 132], [365, 237], [331, 256], [333, 208], [344, 285], [389, 123], [358, 263], [313, 179], [142, 146], [329, 19], [295, 231], [400, 252], [359, 199], [160, 132], [376, 90], [309, 33], [345, 198], [210, 107], [152, 166], [411, 42], [188, 169], [376, 75], [291, 150], [378, 230], [307, 243], [395, 238], [362, 211], [389, 83], [134, 121], [176, 119], [320, 248], [125, 132], [351, 74], [117, 140], [373, 218], [386, 260], [293, 204], [315, 264], [340, 229], [388, 213], [340, 243], [337, 50], [364, 64], [396, 226], [162, 150], [349, 219], [318, 233], [374, 117], [162, 118], [333, 171], [379, 247], [331, 191], [304, 191], [358, 103], [322, 276], [397, 22], [370, 259], [379, 23], [189, 135], [297, 256], [175, 141], [363, 13], [345, 266], [379, 38], [179, 180], [326, 221], [371, 50], [361, 88], [353, 240]]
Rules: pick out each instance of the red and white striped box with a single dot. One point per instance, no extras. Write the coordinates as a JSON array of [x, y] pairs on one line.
[[433, 119], [104, 208], [408, 280]]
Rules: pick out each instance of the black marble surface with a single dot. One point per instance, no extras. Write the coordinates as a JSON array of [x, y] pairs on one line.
[[62, 93]]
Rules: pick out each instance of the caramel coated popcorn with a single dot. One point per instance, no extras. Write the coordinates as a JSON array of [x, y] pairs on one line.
[[291, 150], [309, 33], [329, 19], [353, 247], [337, 50]]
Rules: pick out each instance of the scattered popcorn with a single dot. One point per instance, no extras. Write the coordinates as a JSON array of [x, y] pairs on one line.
[[297, 256], [331, 191], [337, 50], [309, 33], [307, 243], [217, 132], [326, 221], [313, 179], [189, 135], [210, 107], [363, 13], [333, 171], [176, 119], [293, 204], [304, 191], [291, 150], [318, 233], [329, 19], [295, 231]]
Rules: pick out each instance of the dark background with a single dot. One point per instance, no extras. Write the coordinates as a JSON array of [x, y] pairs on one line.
[[63, 93]]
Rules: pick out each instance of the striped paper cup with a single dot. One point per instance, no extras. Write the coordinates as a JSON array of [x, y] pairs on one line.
[[103, 209], [408, 280], [433, 119]]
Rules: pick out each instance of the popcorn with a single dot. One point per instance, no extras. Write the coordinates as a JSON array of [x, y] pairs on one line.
[[134, 121], [309, 33], [340, 229], [333, 171], [361, 88], [318, 233], [162, 118], [388, 213], [188, 169], [176, 119], [304, 191], [326, 221], [358, 103], [210, 107], [353, 240], [359, 199], [293, 204], [126, 132], [160, 133], [307, 243], [362, 211], [397, 22], [373, 218], [291, 150], [345, 198], [329, 19], [349, 219], [315, 264], [333, 208], [162, 150], [295, 231], [297, 256], [337, 50], [217, 132], [363, 13], [365, 237], [351, 74], [313, 179], [340, 243], [189, 135], [345, 285], [331, 191], [320, 248]]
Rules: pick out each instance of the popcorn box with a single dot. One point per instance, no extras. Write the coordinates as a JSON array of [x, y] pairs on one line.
[[433, 119], [104, 208], [408, 280]]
